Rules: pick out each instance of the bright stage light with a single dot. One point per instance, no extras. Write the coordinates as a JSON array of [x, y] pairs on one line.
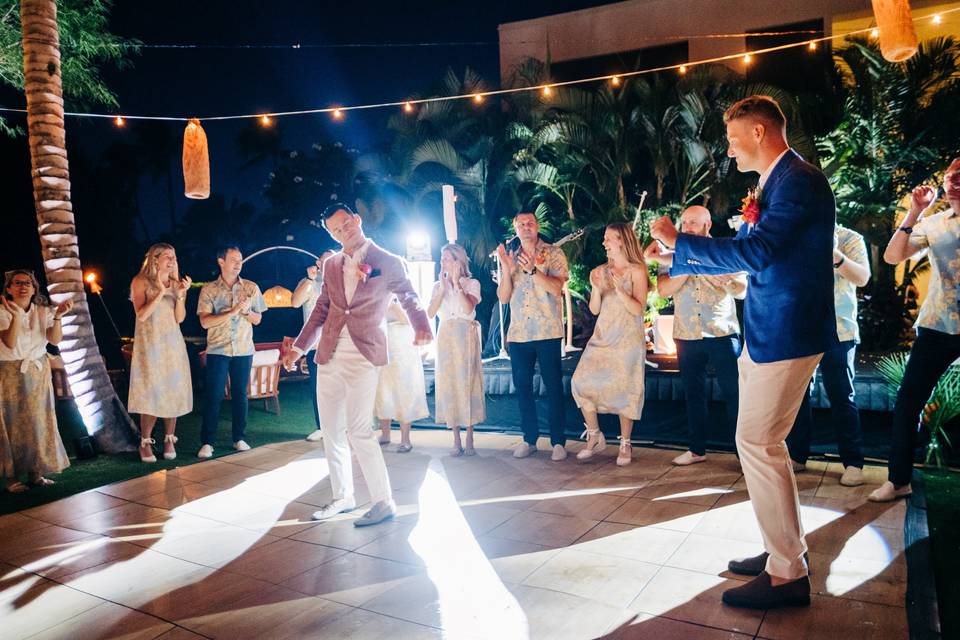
[[418, 246]]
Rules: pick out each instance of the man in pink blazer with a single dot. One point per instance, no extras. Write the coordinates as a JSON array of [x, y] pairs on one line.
[[348, 321]]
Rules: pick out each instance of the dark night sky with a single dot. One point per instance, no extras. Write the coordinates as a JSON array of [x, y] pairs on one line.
[[207, 81], [228, 81], [212, 81]]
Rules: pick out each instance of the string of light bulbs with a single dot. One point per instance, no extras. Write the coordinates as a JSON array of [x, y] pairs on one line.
[[409, 105]]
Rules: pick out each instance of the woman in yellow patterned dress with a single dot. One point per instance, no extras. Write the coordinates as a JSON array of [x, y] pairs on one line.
[[609, 376], [458, 389], [29, 441], [160, 384]]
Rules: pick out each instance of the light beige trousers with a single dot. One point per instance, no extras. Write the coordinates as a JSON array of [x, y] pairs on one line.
[[346, 390], [770, 396]]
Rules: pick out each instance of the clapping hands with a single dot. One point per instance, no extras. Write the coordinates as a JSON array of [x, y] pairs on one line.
[[62, 309], [508, 259], [181, 286], [596, 280]]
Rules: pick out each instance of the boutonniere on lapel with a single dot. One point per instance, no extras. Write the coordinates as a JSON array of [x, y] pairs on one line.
[[366, 271], [540, 259], [750, 210]]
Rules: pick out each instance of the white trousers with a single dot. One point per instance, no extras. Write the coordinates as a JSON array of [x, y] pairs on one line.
[[346, 391], [770, 396]]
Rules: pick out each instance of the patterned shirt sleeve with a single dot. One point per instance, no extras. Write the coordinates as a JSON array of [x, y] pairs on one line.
[[259, 304], [557, 263], [855, 249], [205, 301], [919, 237]]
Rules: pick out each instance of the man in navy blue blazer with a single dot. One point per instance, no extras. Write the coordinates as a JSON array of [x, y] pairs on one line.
[[786, 249]]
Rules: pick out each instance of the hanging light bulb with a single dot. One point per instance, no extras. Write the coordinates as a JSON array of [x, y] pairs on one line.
[[812, 46], [683, 69], [119, 121], [265, 120], [408, 107], [937, 19], [747, 58], [875, 33], [615, 81], [337, 114], [547, 90], [478, 97]]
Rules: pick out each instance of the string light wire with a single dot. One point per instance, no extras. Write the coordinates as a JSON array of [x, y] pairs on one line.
[[478, 97]]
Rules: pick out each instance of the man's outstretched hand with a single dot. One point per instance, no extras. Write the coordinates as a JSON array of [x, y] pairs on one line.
[[665, 231], [290, 358]]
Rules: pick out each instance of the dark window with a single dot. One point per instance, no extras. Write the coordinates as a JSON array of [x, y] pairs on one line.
[[622, 62], [797, 69]]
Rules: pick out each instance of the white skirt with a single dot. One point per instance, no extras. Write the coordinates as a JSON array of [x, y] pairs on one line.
[[401, 393]]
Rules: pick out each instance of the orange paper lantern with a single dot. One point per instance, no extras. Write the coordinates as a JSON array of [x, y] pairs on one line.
[[196, 162], [278, 297], [898, 38]]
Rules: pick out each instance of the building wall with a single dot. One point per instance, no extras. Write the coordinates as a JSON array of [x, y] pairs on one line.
[[635, 24]]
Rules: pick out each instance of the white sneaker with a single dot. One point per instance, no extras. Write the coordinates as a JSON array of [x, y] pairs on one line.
[[559, 453], [240, 445], [315, 436], [596, 443], [852, 477], [524, 450], [206, 451], [337, 506], [687, 458]]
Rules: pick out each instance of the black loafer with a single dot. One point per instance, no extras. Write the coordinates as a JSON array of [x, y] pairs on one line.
[[759, 593], [755, 566]]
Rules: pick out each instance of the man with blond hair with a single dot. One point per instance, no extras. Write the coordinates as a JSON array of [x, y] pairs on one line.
[[785, 247]]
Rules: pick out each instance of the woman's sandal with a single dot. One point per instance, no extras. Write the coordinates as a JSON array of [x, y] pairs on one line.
[[147, 443], [456, 452], [40, 481], [172, 439], [17, 487]]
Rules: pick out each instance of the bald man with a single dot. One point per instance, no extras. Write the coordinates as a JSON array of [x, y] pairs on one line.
[[706, 330]]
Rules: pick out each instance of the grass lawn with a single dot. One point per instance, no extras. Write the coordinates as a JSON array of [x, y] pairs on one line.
[[295, 421], [943, 518]]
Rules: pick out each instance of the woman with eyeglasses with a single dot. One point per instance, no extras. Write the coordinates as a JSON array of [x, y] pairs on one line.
[[30, 444]]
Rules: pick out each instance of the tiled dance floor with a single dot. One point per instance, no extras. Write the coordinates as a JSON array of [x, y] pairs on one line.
[[485, 547]]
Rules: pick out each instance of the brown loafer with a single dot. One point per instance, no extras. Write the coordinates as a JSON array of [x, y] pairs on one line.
[[759, 593]]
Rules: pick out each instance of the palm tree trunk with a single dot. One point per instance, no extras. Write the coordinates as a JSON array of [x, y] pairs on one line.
[[102, 412]]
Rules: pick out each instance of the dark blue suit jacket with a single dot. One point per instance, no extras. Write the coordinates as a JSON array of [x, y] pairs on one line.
[[788, 256]]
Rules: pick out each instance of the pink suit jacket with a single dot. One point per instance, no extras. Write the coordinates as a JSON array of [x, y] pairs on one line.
[[365, 313]]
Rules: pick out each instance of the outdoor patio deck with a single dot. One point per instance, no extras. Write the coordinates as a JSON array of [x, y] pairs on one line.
[[484, 547]]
